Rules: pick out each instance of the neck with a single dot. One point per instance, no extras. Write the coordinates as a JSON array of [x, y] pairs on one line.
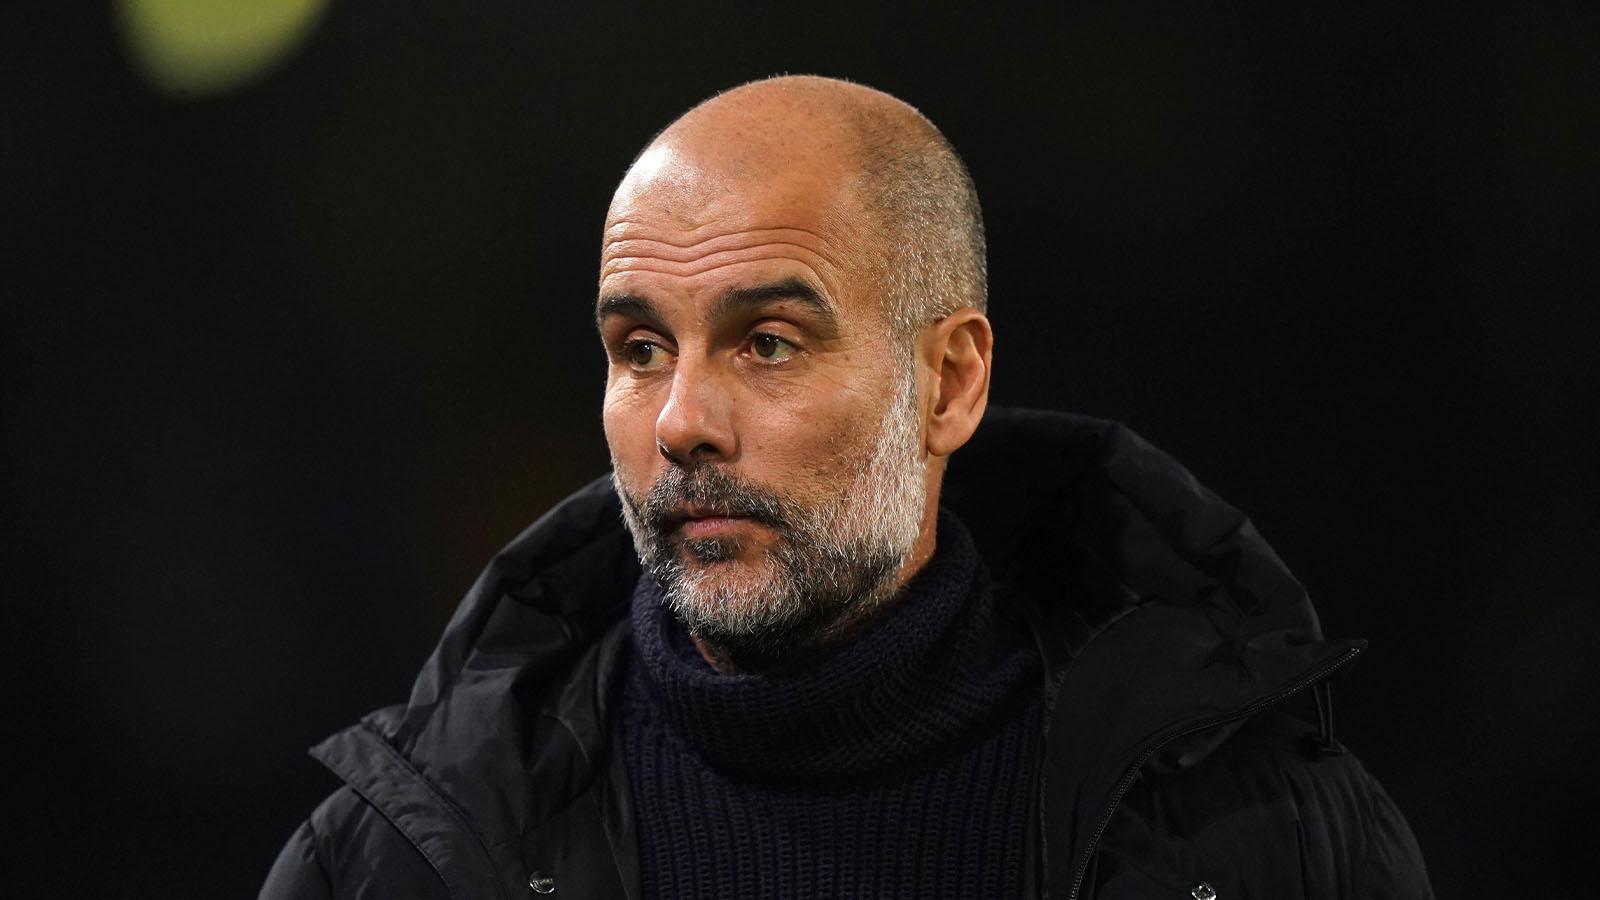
[[924, 675]]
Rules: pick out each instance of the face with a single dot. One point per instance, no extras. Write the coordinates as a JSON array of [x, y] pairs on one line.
[[763, 421]]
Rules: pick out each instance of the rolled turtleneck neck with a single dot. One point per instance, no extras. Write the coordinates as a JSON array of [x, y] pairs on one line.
[[926, 676]]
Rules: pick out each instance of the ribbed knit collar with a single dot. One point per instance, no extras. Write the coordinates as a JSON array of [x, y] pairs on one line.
[[935, 669]]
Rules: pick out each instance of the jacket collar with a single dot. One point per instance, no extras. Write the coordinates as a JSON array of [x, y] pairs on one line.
[[1160, 610]]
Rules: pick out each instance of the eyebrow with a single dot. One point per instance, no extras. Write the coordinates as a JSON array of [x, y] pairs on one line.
[[624, 305], [788, 289], [793, 289]]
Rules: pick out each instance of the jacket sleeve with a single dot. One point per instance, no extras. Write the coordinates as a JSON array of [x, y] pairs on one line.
[[1356, 844], [349, 851], [298, 873], [1393, 868]]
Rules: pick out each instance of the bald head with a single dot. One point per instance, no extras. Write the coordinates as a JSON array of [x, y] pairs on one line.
[[898, 190], [791, 300]]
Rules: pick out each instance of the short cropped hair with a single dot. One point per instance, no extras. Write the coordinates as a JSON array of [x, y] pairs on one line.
[[928, 218]]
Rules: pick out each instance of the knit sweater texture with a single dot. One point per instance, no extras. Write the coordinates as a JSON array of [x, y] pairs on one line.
[[901, 765]]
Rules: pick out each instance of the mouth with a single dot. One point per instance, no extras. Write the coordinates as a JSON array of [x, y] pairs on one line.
[[702, 522]]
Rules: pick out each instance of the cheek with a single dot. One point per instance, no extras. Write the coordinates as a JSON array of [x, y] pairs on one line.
[[815, 444], [628, 418]]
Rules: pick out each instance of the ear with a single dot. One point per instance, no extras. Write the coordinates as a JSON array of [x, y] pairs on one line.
[[959, 349]]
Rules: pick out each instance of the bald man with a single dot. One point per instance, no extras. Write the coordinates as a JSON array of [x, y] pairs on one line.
[[794, 645]]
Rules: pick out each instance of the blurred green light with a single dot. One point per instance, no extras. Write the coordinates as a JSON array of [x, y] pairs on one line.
[[207, 47]]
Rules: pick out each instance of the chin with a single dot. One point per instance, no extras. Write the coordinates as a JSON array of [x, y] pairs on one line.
[[730, 597], [731, 585]]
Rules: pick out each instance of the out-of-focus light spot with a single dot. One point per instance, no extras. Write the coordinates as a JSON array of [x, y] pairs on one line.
[[197, 48]]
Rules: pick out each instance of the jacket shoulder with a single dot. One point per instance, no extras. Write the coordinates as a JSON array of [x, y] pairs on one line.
[[1261, 816], [347, 849]]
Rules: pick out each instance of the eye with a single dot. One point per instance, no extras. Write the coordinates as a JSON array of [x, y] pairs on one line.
[[771, 348], [643, 354]]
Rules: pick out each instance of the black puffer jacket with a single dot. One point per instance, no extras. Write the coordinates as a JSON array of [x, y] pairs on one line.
[[1171, 634]]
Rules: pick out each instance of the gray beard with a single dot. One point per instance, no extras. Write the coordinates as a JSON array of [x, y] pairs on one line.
[[831, 562]]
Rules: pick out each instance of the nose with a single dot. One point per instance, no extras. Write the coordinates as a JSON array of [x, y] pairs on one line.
[[696, 421]]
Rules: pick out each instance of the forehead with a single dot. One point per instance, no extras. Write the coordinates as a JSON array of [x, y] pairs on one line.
[[684, 217], [688, 175]]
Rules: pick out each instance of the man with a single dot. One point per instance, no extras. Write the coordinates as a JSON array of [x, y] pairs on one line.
[[1055, 670]]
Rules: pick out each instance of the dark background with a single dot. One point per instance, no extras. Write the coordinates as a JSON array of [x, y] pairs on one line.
[[283, 367]]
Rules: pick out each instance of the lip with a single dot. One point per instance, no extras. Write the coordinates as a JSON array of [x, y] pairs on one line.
[[706, 523]]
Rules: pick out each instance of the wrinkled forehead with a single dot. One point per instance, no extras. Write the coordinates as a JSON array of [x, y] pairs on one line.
[[684, 212], [671, 186]]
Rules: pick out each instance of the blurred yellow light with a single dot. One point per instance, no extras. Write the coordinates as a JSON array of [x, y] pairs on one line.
[[205, 47]]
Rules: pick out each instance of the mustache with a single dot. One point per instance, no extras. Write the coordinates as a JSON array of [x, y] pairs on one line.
[[707, 486]]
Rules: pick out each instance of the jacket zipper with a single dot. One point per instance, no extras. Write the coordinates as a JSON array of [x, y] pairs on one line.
[[1249, 709]]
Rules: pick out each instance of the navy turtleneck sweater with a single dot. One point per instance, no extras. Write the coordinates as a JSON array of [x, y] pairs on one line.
[[899, 766]]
